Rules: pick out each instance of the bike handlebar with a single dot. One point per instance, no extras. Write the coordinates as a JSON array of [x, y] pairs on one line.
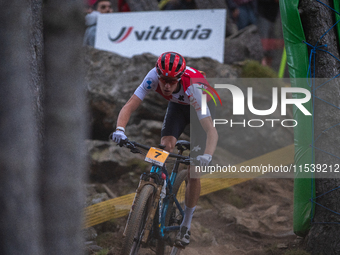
[[133, 147]]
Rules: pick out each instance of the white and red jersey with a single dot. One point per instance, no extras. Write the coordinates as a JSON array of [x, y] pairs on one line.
[[189, 94]]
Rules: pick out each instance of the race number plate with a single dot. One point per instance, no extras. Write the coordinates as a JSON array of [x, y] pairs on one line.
[[156, 156]]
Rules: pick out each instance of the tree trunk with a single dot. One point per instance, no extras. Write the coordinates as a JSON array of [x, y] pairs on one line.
[[143, 5], [324, 238], [41, 211], [20, 225], [64, 168]]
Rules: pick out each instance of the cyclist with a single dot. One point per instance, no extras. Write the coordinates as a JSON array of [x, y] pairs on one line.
[[182, 86]]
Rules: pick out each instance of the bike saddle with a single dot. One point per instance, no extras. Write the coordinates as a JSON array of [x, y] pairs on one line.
[[183, 145]]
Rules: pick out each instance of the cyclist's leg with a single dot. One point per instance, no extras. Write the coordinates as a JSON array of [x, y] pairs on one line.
[[177, 117], [193, 191], [198, 143], [173, 125], [192, 194], [194, 184]]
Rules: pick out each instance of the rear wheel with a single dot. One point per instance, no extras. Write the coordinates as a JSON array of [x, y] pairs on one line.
[[173, 216], [135, 229]]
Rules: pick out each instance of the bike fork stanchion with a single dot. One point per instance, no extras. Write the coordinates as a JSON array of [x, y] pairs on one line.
[[175, 251]]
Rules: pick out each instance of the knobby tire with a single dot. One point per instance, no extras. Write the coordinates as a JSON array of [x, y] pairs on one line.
[[132, 240]]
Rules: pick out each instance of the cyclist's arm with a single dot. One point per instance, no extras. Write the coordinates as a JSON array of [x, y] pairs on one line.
[[127, 110], [212, 135], [149, 83]]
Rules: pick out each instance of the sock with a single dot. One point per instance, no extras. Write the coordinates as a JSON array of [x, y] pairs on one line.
[[188, 213]]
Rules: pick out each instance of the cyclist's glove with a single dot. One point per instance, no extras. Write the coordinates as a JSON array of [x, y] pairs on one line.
[[118, 136], [204, 159]]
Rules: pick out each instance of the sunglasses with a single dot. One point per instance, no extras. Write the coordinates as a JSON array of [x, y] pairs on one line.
[[166, 80]]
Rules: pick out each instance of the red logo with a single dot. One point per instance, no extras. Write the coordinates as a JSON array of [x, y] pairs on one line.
[[123, 34]]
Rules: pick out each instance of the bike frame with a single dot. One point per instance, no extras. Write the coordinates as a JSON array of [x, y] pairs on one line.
[[170, 182], [158, 170]]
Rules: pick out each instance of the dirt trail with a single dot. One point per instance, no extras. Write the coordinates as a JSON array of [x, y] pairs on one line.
[[251, 218], [254, 217]]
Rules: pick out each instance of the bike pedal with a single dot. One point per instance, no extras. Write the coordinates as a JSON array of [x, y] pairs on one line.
[[179, 246]]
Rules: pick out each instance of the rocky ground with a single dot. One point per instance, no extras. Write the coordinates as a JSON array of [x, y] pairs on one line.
[[251, 218], [254, 217]]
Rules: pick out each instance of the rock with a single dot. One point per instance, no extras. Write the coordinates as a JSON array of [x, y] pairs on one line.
[[282, 246], [146, 132], [109, 161], [99, 197], [94, 248], [111, 81], [245, 44], [89, 234], [90, 190], [270, 212], [201, 235]]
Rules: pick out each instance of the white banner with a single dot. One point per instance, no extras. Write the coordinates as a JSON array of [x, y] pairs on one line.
[[192, 33]]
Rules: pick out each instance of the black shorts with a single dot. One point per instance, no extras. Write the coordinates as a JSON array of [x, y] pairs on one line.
[[177, 117]]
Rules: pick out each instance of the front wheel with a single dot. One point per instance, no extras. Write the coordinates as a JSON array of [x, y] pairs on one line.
[[135, 229], [173, 216]]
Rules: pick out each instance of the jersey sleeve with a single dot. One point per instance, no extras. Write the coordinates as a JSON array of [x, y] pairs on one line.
[[195, 96], [149, 83]]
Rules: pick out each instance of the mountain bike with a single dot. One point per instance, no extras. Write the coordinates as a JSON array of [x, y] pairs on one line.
[[157, 209]]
